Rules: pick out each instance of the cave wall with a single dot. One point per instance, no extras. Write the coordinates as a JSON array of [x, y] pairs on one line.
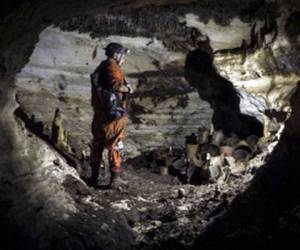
[[20, 29], [164, 106], [254, 46], [240, 42]]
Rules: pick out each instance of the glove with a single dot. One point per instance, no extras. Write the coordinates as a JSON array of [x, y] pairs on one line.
[[130, 89], [124, 89], [128, 85]]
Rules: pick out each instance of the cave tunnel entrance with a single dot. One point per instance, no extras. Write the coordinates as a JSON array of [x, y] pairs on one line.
[[164, 105], [161, 211], [164, 110], [221, 94]]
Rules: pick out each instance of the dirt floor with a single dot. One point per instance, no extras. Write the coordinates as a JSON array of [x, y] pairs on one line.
[[154, 211], [163, 212]]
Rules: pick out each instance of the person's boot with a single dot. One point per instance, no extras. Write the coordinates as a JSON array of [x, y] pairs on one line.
[[94, 177], [116, 182]]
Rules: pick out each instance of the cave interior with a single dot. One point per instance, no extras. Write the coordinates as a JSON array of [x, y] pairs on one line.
[[223, 76]]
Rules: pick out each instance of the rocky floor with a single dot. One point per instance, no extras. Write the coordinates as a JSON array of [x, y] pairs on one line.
[[50, 207], [163, 212], [152, 211]]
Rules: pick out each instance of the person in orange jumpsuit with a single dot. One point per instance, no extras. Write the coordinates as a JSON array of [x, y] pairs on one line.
[[109, 85]]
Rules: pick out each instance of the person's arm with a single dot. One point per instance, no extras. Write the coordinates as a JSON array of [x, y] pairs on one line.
[[128, 85], [115, 77]]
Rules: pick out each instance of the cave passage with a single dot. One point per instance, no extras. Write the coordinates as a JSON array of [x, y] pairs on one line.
[[163, 192], [212, 147], [221, 94]]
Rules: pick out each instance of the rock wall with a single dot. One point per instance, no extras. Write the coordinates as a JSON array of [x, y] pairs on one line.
[[257, 52], [163, 110], [20, 27], [221, 94]]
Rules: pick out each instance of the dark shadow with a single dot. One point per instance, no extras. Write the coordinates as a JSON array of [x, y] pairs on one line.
[[166, 72], [292, 27], [10, 237], [148, 165], [262, 217], [220, 93], [37, 128], [102, 187], [89, 183], [279, 116]]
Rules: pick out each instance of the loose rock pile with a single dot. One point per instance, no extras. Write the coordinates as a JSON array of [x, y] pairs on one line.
[[171, 213], [209, 157]]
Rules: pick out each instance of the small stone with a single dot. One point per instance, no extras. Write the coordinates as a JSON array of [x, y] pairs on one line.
[[181, 193], [238, 168], [241, 155], [143, 209], [104, 227], [214, 172], [66, 216], [56, 162], [163, 171], [156, 223]]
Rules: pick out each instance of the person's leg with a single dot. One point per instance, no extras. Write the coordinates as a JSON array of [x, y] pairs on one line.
[[115, 131], [115, 167], [97, 147], [115, 159], [95, 160]]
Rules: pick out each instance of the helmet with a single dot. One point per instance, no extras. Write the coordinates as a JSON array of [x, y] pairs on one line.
[[115, 48]]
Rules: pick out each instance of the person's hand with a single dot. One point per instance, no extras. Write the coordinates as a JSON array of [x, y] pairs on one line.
[[130, 89], [128, 85], [124, 89]]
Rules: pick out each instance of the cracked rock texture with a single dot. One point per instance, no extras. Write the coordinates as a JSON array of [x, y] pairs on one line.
[[163, 108], [253, 53], [44, 204]]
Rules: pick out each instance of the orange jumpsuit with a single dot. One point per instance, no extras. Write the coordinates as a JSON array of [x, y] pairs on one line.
[[106, 134]]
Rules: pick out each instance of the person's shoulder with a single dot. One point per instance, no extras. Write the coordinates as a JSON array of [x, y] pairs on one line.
[[104, 62], [110, 62], [109, 65], [103, 65]]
